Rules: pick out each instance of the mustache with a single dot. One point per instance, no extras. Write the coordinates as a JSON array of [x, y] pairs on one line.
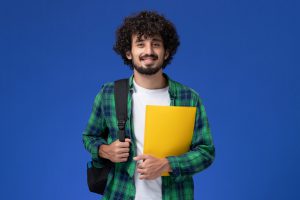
[[153, 56]]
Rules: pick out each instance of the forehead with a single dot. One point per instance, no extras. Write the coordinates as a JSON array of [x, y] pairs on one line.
[[136, 38]]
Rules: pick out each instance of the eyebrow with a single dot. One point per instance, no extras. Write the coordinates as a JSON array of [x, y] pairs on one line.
[[157, 39], [153, 39]]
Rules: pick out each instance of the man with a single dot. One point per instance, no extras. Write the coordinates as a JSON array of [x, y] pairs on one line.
[[147, 42]]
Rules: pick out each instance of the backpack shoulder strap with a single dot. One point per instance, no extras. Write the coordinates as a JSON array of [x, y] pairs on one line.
[[121, 94]]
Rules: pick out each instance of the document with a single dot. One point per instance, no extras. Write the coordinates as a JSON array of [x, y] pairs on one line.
[[168, 130]]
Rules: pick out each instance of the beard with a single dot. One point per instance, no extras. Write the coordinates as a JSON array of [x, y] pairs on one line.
[[147, 70]]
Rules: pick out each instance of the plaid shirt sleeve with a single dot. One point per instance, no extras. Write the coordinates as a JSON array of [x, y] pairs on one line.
[[202, 150], [96, 127]]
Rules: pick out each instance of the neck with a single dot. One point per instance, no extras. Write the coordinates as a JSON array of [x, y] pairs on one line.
[[155, 81]]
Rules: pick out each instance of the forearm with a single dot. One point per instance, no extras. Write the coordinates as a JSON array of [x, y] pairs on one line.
[[191, 162], [201, 153], [92, 144]]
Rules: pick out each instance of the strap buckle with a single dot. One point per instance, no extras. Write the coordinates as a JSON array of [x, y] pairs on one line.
[[121, 124]]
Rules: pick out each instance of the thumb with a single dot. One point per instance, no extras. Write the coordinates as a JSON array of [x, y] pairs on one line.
[[140, 157], [127, 140]]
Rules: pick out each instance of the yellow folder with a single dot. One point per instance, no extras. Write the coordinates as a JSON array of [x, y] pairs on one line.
[[168, 130]]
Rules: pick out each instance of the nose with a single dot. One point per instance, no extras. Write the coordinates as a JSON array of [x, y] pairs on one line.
[[148, 49]]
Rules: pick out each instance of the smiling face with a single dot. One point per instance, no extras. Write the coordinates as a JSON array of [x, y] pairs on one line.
[[147, 54]]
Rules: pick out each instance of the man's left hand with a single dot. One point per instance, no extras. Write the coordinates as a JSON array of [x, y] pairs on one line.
[[151, 168]]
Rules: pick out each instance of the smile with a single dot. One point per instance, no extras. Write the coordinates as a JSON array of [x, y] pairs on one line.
[[149, 59]]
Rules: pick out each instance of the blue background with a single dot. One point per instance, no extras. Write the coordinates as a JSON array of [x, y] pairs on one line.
[[241, 56]]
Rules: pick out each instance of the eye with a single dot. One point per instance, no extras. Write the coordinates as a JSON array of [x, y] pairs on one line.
[[156, 44], [139, 44]]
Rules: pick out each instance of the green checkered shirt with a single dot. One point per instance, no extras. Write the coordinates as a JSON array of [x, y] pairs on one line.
[[120, 184]]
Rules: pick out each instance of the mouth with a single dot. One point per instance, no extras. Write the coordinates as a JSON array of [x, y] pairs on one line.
[[148, 60]]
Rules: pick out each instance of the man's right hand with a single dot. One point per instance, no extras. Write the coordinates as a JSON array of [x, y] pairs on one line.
[[116, 151]]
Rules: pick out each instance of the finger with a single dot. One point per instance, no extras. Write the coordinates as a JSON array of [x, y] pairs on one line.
[[143, 177], [124, 144], [123, 160], [140, 166], [141, 157], [123, 150], [137, 158], [122, 156], [141, 171]]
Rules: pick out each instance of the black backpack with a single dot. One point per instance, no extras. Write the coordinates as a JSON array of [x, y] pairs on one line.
[[97, 177]]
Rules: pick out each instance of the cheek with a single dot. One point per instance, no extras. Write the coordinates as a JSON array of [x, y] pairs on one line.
[[136, 57], [161, 58]]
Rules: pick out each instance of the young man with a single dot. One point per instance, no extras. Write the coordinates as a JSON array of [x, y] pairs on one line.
[[147, 42]]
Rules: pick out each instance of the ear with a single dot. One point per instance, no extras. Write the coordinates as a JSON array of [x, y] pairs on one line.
[[166, 55], [128, 55]]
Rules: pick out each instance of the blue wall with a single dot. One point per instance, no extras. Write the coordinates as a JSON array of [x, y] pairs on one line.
[[241, 56]]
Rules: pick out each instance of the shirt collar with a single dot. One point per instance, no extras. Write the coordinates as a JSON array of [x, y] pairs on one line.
[[171, 84]]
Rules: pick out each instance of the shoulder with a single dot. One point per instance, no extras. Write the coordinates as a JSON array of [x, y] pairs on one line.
[[107, 88], [185, 92], [106, 91]]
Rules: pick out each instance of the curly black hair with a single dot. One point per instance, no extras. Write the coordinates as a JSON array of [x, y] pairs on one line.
[[148, 24]]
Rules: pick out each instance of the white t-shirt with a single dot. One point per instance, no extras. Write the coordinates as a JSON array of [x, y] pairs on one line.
[[146, 189]]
